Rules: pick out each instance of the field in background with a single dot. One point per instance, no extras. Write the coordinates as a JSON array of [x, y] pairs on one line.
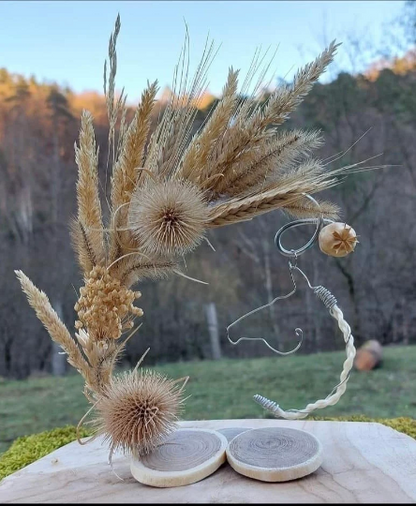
[[224, 389]]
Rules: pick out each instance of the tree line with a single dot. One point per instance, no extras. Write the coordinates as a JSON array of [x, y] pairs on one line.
[[369, 116]]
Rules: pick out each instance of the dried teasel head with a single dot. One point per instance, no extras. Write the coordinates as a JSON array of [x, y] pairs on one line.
[[337, 239], [138, 410], [105, 307], [168, 217]]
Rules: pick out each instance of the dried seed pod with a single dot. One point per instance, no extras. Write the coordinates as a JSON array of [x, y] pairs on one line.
[[168, 217], [337, 239], [138, 410]]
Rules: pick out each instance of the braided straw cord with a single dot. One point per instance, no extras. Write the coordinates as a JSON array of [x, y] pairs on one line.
[[336, 394]]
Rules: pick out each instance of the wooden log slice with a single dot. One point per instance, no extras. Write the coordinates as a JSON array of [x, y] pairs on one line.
[[231, 432], [275, 454], [368, 356], [187, 456]]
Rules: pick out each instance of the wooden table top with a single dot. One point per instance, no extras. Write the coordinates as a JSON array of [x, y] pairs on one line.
[[363, 462]]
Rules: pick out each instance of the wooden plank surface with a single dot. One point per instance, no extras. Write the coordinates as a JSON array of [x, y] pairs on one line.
[[363, 462]]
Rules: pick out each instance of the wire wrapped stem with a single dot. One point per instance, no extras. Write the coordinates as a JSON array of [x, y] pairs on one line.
[[337, 392]]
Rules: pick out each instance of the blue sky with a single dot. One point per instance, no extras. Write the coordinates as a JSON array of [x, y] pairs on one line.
[[67, 41]]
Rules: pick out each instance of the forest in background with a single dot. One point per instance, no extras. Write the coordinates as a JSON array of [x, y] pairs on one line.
[[375, 286]]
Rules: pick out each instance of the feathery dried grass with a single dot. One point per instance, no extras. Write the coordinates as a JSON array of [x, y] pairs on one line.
[[116, 107], [39, 301], [128, 171], [171, 136], [195, 159], [88, 233], [137, 411], [165, 194], [248, 150], [135, 269], [125, 174], [277, 156]]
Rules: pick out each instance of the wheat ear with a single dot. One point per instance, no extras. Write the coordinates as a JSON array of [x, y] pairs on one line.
[[195, 158], [250, 207], [89, 207], [126, 173], [56, 328]]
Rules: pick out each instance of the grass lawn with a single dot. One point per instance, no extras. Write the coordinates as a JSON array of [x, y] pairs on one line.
[[224, 389]]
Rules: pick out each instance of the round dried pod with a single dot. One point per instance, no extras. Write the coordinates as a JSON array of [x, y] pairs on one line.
[[337, 239], [137, 411], [168, 217]]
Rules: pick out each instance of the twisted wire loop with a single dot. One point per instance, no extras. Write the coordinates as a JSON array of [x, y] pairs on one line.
[[329, 301], [298, 331], [336, 393]]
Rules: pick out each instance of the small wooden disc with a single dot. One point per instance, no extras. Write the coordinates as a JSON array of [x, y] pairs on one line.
[[187, 456], [231, 432], [275, 454]]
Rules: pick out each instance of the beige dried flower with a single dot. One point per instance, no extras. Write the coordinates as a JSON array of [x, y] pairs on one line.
[[337, 239], [138, 410], [168, 217], [105, 307]]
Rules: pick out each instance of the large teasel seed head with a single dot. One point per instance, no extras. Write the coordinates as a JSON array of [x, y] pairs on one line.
[[138, 410], [168, 217]]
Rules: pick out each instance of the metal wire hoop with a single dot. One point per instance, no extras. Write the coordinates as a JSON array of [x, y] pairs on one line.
[[298, 223]]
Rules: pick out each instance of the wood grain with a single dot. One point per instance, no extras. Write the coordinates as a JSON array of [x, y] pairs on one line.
[[362, 463], [187, 456], [275, 454], [231, 432]]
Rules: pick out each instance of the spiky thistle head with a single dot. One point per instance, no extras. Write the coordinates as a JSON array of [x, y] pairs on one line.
[[138, 410], [168, 217]]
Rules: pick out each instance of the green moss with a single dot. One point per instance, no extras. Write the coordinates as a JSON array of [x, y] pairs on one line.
[[402, 424], [28, 449]]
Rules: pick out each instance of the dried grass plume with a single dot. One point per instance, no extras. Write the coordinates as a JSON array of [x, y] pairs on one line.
[[168, 187]]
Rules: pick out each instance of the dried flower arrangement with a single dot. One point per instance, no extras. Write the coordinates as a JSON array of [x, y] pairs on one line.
[[167, 190]]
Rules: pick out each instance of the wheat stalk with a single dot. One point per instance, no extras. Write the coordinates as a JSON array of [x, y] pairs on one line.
[[51, 321], [127, 171], [89, 237]]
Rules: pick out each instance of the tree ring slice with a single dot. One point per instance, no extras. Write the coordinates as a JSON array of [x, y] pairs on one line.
[[185, 457], [231, 432], [275, 454]]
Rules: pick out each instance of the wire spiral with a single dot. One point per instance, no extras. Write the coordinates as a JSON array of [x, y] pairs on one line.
[[326, 296]]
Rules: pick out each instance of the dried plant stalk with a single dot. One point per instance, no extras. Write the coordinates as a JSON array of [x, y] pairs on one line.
[[165, 193], [51, 321], [89, 236]]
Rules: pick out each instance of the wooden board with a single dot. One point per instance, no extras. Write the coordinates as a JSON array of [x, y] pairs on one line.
[[187, 456], [362, 462], [275, 454]]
